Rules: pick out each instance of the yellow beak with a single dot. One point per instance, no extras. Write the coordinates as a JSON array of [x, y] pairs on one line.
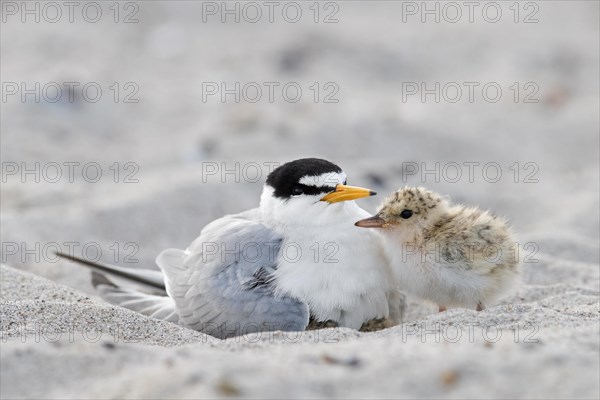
[[343, 193]]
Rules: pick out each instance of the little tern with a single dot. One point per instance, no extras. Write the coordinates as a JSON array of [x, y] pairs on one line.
[[297, 258]]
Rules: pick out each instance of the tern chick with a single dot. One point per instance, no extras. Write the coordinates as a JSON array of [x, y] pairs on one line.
[[453, 255]]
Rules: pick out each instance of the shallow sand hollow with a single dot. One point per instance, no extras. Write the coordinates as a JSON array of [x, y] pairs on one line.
[[59, 343]]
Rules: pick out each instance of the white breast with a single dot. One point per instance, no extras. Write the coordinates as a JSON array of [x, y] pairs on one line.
[[338, 269]]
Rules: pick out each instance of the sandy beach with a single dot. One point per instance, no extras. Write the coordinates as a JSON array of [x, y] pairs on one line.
[[543, 343]]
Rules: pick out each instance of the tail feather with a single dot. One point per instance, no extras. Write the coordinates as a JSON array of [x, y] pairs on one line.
[[160, 307], [147, 277], [155, 306], [99, 279]]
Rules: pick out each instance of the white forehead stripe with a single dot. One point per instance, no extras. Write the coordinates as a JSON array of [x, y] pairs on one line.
[[327, 179]]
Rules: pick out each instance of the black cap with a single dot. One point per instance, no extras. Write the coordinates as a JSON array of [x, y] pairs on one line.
[[285, 178]]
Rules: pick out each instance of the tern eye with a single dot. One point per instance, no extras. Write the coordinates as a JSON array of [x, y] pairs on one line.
[[297, 191], [406, 214]]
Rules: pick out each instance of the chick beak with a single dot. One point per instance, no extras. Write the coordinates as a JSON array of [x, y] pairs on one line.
[[372, 222], [343, 193]]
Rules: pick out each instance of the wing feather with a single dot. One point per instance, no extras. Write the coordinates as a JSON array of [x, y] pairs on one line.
[[222, 285]]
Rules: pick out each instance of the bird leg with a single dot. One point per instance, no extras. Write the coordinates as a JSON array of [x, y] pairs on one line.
[[480, 307], [376, 324], [314, 324], [442, 308]]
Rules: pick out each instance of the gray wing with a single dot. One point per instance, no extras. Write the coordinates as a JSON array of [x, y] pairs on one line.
[[221, 284]]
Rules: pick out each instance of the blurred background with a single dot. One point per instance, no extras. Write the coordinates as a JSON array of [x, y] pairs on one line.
[[164, 98]]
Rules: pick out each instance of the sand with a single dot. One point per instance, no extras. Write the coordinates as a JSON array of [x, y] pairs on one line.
[[544, 346], [61, 341]]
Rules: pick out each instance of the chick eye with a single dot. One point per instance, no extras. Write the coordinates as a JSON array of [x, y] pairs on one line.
[[406, 214], [296, 191]]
